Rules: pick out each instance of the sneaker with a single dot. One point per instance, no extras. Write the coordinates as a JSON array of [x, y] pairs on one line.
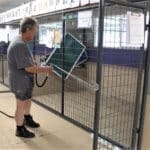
[[28, 121], [23, 132]]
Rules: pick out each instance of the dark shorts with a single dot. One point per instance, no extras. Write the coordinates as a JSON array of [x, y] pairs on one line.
[[25, 94]]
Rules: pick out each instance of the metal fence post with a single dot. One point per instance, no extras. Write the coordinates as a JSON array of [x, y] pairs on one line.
[[137, 102], [63, 82], [145, 89], [3, 68], [98, 74]]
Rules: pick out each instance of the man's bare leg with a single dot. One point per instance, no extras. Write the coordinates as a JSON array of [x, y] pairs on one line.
[[21, 131], [19, 114], [27, 107], [28, 120]]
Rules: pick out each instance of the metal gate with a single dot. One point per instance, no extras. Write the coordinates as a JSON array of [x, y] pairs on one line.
[[115, 63], [119, 100]]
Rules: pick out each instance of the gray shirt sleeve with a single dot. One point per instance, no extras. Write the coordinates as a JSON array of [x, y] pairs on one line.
[[23, 56]]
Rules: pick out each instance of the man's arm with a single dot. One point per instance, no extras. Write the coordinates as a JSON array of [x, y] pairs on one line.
[[36, 69]]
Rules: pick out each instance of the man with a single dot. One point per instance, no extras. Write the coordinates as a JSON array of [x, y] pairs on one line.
[[22, 68]]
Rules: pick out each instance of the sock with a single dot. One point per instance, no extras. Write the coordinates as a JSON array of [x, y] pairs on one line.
[[27, 116], [20, 127]]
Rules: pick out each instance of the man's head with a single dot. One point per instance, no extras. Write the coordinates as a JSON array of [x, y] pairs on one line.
[[28, 28]]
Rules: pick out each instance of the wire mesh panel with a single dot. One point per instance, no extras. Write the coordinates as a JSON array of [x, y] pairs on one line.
[[50, 94], [121, 75], [6, 82], [79, 96], [7, 34], [1, 66], [3, 63], [75, 97], [72, 91], [80, 99], [72, 50], [50, 33]]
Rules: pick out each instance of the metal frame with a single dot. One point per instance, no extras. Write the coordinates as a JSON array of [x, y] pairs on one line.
[[98, 74], [145, 89], [75, 63], [139, 81]]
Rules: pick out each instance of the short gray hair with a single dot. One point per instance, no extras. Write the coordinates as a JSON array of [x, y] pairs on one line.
[[27, 23]]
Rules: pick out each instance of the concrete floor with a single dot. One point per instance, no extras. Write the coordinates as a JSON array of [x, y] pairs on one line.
[[3, 88], [54, 133], [146, 130], [117, 103]]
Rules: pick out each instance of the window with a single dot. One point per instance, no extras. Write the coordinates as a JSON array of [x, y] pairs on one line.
[[50, 34], [118, 33]]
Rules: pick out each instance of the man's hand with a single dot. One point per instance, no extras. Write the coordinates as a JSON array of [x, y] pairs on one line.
[[48, 69], [35, 69]]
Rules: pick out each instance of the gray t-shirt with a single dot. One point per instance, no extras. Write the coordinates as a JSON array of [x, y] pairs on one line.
[[19, 57]]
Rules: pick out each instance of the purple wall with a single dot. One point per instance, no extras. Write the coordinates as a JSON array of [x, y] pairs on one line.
[[114, 56], [123, 57]]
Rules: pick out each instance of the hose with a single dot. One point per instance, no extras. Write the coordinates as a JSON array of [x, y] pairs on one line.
[[9, 116], [42, 84]]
